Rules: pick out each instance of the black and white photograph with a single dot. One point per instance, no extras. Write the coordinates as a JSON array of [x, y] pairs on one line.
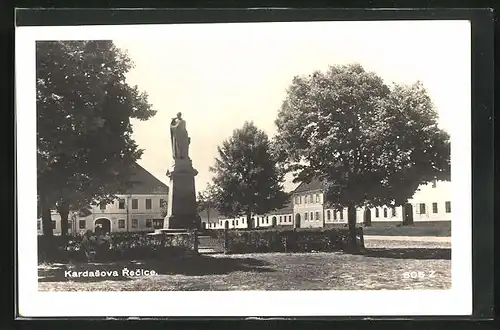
[[233, 168]]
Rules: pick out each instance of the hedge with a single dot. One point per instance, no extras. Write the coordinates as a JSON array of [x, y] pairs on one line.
[[124, 246], [285, 240]]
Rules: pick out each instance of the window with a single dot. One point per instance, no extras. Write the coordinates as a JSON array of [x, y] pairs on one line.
[[281, 218], [53, 224], [236, 222], [121, 223], [242, 220], [306, 216], [447, 206], [312, 216], [385, 212], [300, 199], [39, 225], [317, 198], [102, 205], [334, 215], [158, 223], [289, 218], [328, 215], [162, 202], [422, 208], [311, 198], [393, 211], [434, 207], [148, 203], [342, 215], [317, 216], [306, 199], [82, 224], [135, 223], [232, 223], [267, 220], [135, 204], [376, 213], [149, 223], [121, 203]]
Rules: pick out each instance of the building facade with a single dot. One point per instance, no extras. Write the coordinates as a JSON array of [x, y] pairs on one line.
[[138, 209], [431, 202]]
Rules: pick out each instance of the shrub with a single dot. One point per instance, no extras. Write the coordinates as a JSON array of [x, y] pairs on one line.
[[124, 246], [285, 240]]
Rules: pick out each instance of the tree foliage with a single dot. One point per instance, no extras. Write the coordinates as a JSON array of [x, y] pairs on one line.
[[85, 146], [371, 144], [246, 178]]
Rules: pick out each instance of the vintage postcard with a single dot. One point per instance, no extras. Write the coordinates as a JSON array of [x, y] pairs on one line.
[[294, 168]]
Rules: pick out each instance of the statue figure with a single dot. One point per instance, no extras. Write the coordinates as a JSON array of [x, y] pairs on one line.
[[179, 138]]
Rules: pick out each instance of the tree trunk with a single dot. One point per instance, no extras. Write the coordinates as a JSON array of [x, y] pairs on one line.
[[249, 220], [367, 217], [63, 210], [407, 214], [351, 220], [46, 218]]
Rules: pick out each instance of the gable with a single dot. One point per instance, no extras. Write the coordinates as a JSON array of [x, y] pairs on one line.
[[143, 182], [314, 184]]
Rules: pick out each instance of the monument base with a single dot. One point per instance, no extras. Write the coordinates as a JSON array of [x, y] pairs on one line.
[[182, 221], [169, 231], [182, 205]]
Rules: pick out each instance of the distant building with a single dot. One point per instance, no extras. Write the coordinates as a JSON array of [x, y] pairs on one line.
[[137, 209], [280, 217], [431, 202]]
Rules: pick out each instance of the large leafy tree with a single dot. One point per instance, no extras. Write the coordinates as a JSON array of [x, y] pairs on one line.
[[369, 143], [85, 147], [246, 178]]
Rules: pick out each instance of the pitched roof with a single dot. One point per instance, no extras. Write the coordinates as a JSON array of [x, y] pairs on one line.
[[315, 184], [214, 215], [145, 183], [286, 209]]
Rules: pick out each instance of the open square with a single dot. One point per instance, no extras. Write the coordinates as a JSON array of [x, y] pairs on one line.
[[399, 265]]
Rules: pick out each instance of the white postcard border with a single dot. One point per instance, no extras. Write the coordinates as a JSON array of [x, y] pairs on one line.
[[456, 301]]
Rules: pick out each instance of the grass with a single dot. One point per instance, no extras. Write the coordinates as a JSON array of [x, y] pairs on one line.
[[427, 228], [384, 266]]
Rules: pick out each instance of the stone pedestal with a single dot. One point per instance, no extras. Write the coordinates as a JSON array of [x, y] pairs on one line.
[[182, 210]]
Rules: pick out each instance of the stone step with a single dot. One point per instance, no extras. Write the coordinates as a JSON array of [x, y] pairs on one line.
[[207, 244], [207, 251]]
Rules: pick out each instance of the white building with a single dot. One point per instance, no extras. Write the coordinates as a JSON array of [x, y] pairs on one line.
[[137, 209], [431, 202], [280, 217]]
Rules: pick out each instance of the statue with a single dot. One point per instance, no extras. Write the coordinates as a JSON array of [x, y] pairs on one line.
[[182, 212], [179, 138]]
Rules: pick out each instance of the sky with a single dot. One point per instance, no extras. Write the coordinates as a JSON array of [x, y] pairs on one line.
[[221, 75]]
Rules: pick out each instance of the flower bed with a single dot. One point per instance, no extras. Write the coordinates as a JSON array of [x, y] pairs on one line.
[[123, 246], [285, 240]]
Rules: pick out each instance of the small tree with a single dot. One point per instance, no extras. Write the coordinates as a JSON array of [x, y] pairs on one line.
[[246, 179], [370, 144], [206, 200]]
